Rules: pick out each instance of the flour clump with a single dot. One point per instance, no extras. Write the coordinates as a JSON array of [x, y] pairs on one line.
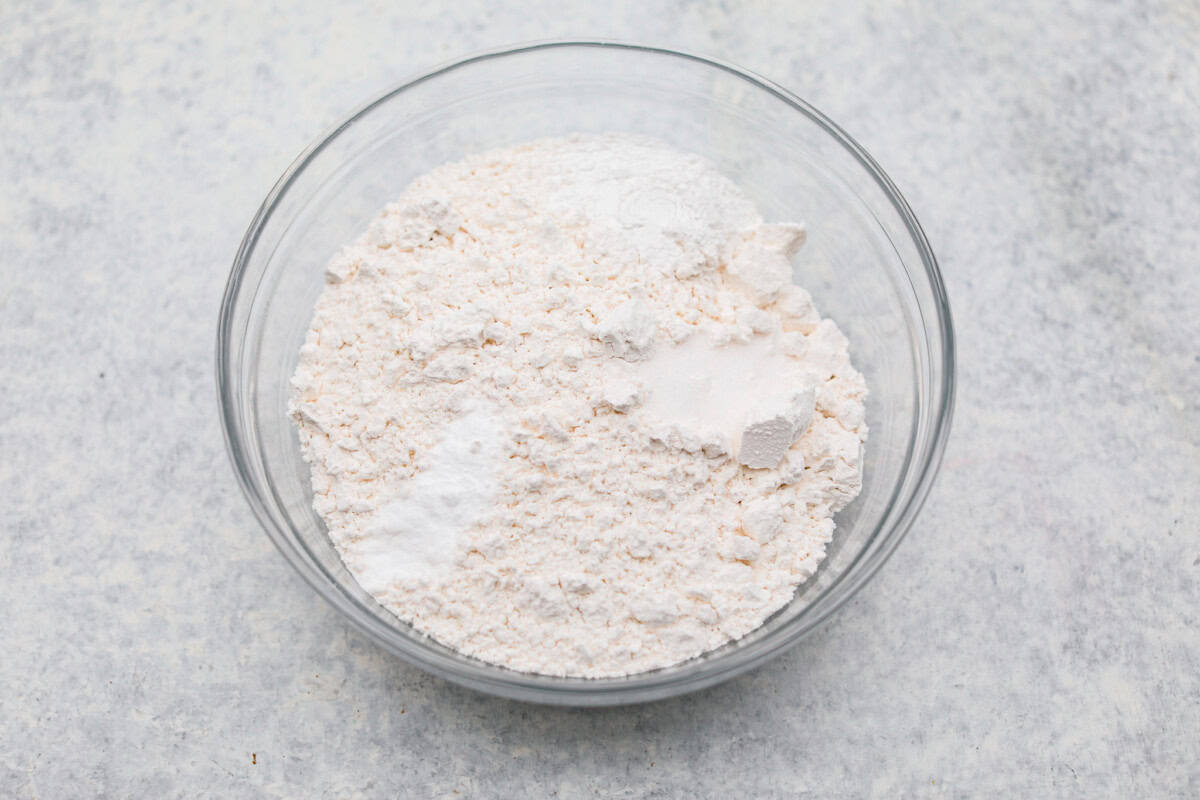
[[565, 411]]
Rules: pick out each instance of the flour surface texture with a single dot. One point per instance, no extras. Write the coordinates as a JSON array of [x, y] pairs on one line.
[[565, 411]]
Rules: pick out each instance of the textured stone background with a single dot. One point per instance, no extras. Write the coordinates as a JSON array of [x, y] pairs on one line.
[[1037, 633]]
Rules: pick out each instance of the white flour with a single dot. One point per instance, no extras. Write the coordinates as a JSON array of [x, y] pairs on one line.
[[413, 537], [566, 413]]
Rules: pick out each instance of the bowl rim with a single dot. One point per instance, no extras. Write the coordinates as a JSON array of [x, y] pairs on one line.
[[639, 687]]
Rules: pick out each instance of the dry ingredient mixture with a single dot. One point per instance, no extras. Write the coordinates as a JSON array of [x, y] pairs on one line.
[[566, 413]]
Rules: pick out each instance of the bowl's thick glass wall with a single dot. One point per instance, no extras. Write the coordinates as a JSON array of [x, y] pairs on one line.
[[866, 264]]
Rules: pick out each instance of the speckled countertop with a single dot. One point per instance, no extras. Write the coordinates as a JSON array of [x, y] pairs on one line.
[[1036, 635]]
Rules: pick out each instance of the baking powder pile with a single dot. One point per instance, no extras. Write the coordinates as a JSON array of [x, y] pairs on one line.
[[566, 413]]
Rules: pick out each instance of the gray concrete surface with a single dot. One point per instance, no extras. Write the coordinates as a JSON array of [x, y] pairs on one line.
[[1037, 633]]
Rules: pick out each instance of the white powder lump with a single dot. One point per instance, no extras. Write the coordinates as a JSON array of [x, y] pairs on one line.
[[566, 413], [410, 537], [759, 260], [749, 400]]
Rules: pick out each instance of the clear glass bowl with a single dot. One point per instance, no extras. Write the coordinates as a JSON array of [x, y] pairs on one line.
[[866, 262]]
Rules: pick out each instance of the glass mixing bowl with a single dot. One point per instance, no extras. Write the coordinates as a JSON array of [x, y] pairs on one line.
[[867, 264]]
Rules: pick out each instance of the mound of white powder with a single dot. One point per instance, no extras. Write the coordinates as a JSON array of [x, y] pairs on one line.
[[565, 411]]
